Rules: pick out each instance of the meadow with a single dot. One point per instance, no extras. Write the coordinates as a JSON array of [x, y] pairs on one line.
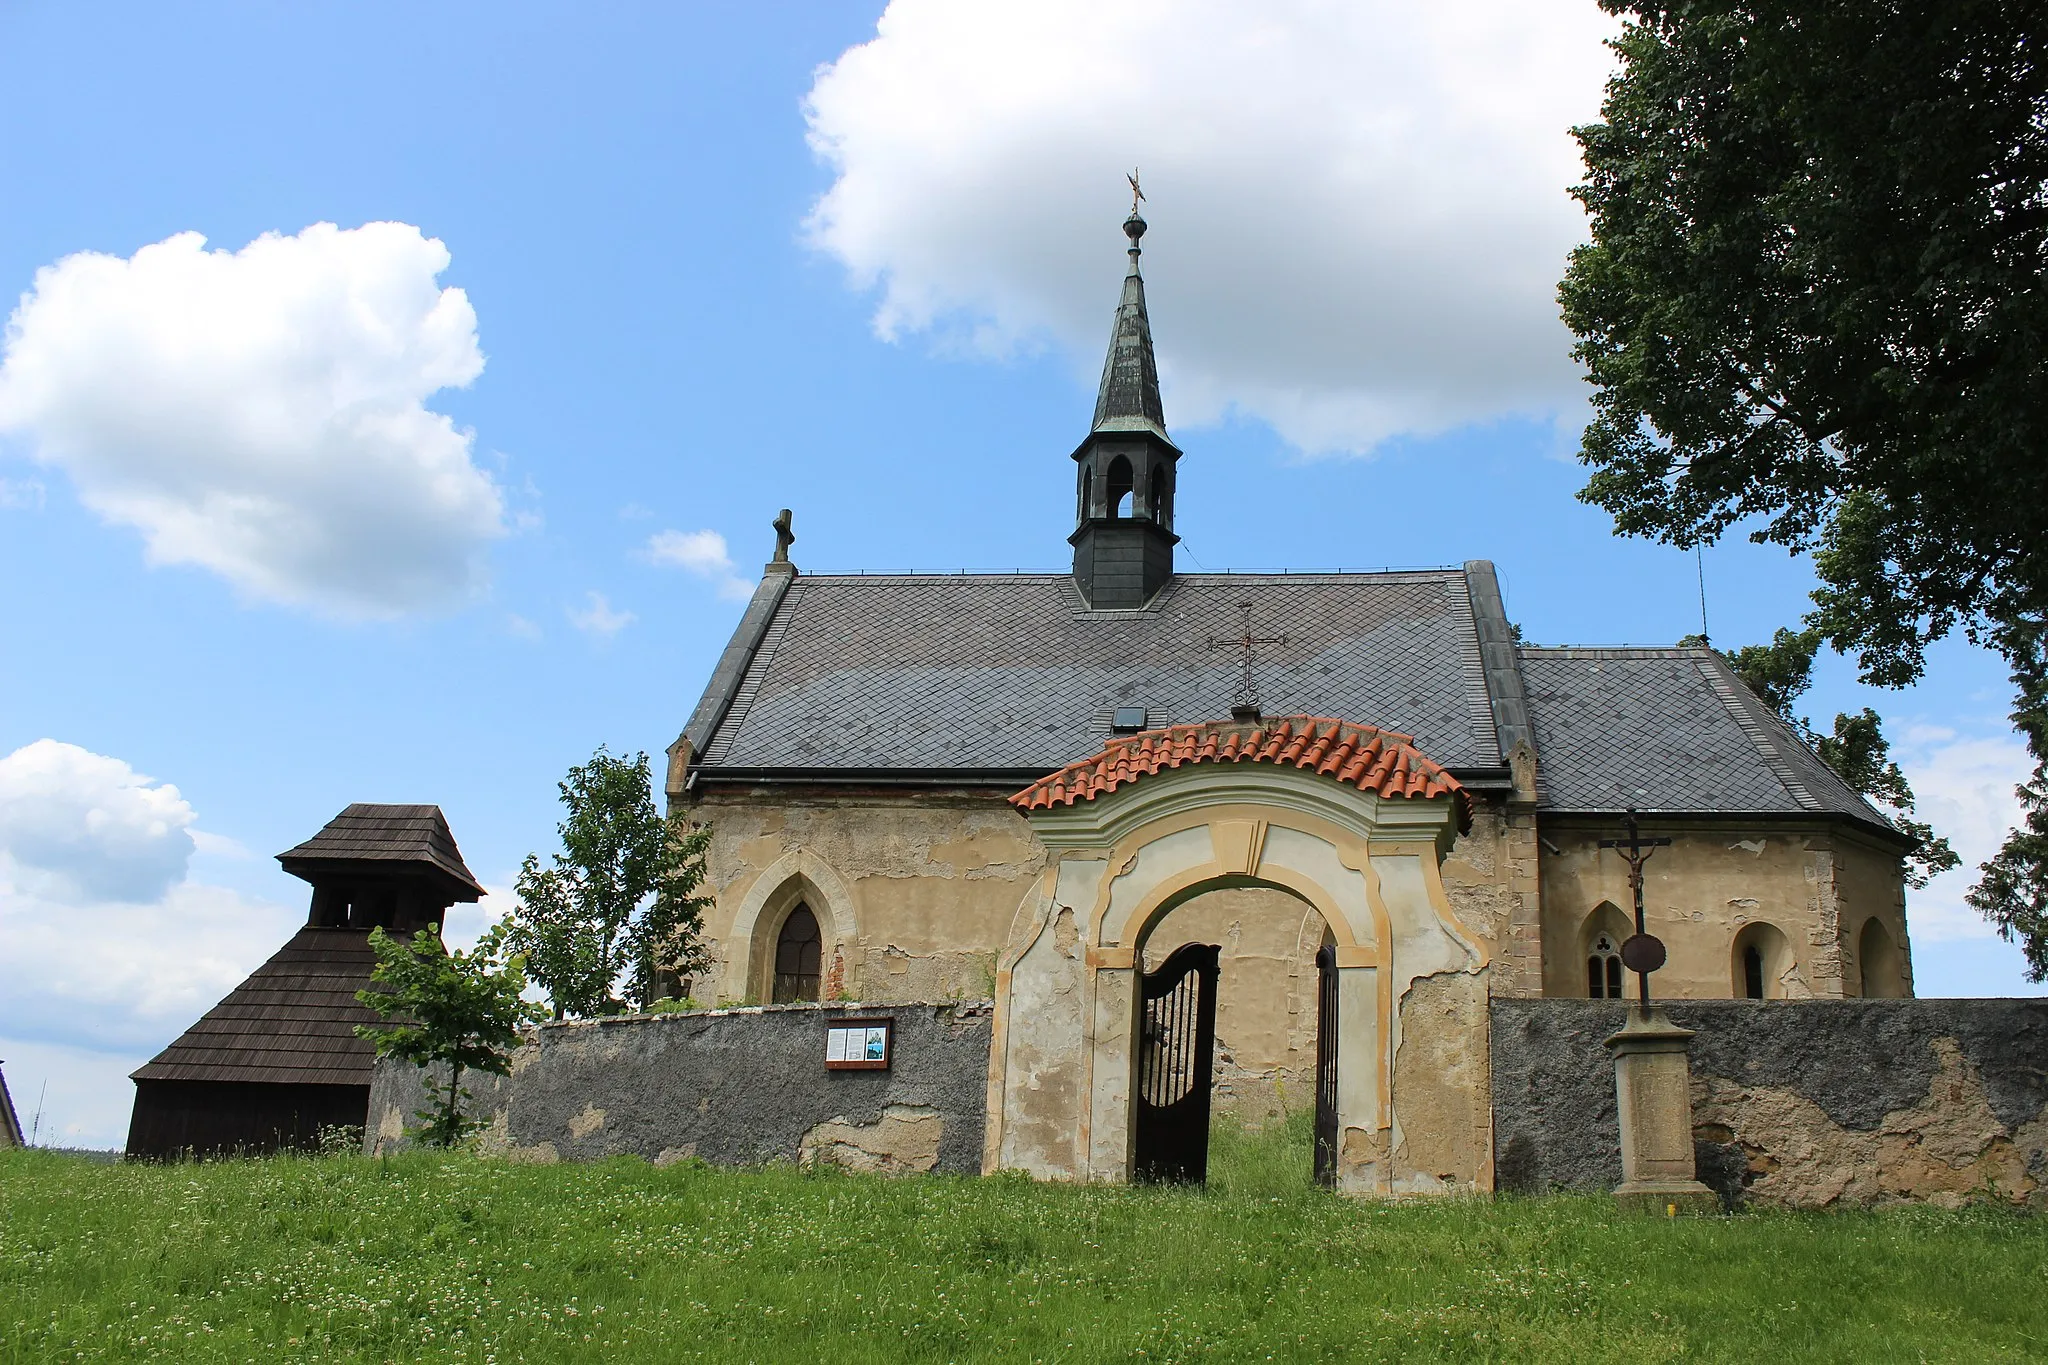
[[447, 1257]]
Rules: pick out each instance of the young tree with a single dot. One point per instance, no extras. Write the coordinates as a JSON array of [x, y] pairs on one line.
[[1780, 673], [459, 1008], [1813, 306], [619, 904]]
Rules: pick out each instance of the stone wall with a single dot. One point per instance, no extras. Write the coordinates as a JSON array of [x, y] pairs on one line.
[[1798, 1103], [734, 1087]]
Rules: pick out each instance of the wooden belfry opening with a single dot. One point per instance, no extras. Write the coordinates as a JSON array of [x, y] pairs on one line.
[[278, 1059]]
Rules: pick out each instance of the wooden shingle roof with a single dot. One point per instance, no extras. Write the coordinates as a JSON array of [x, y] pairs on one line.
[[292, 1022], [387, 836]]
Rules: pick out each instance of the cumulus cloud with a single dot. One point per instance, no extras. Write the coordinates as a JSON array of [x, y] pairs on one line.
[[1964, 787], [261, 413], [79, 826], [702, 553], [1359, 211], [598, 617]]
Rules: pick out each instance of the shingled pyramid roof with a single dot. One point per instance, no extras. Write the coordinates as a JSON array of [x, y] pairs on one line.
[[292, 1022], [366, 833]]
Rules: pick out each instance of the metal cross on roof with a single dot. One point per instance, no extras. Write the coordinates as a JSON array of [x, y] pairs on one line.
[[1245, 705], [1136, 193]]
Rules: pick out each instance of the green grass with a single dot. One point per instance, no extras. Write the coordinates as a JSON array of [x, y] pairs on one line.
[[452, 1258]]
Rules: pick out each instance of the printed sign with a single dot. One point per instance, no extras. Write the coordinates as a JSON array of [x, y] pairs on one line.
[[857, 1045]]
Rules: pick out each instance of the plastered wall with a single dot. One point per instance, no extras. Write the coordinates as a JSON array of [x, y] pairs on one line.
[[1816, 885]]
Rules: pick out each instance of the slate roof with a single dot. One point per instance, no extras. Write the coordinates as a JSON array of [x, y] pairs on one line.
[[1362, 756], [1005, 678], [292, 1022], [366, 833], [1669, 729], [1128, 397], [1012, 674]]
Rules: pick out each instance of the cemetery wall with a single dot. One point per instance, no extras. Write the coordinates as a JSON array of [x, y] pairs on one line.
[[1795, 1103], [734, 1087]]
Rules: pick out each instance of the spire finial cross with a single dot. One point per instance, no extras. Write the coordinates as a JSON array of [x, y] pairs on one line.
[[1137, 194], [1245, 705]]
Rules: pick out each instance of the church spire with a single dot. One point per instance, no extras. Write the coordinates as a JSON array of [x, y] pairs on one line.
[[1123, 538], [1128, 399]]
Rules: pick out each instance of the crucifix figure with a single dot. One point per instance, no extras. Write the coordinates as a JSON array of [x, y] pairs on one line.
[[1245, 705], [1136, 193], [784, 537], [1643, 953]]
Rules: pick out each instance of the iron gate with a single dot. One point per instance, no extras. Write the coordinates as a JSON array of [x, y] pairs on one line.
[[1176, 1051], [1326, 1067]]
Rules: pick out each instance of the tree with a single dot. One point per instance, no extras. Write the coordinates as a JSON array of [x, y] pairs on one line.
[[1780, 673], [462, 1009], [618, 905], [1812, 306]]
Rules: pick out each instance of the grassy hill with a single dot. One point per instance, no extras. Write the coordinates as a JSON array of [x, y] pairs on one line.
[[451, 1258]]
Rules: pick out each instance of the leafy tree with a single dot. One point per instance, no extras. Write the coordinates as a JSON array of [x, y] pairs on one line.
[[463, 1009], [619, 903], [1780, 673], [1812, 306]]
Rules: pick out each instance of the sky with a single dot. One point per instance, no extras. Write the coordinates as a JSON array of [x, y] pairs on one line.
[[395, 400]]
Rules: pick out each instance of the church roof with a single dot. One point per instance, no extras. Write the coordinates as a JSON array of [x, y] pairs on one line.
[[1669, 729], [292, 1022], [1361, 756], [948, 679], [384, 837], [1009, 676]]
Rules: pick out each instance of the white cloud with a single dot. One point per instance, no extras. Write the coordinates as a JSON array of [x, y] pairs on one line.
[[107, 948], [261, 413], [1963, 787], [1359, 211], [598, 617], [78, 826], [702, 553]]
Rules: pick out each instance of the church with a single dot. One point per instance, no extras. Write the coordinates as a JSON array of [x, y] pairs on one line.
[[1306, 825]]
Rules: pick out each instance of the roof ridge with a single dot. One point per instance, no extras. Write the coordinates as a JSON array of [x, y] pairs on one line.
[[1719, 678]]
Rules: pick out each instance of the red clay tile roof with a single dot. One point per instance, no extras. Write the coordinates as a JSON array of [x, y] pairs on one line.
[[1362, 756]]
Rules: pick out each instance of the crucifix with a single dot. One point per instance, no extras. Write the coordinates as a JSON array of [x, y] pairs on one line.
[[1643, 953], [1245, 705]]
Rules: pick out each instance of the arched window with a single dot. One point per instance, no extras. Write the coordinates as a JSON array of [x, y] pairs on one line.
[[1762, 956], [797, 951], [1087, 487], [1119, 489], [1603, 968], [1877, 958], [1158, 494], [1600, 940]]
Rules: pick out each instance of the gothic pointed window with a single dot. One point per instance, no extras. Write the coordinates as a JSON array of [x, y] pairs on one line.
[[1158, 494], [797, 952], [1603, 968], [1087, 487]]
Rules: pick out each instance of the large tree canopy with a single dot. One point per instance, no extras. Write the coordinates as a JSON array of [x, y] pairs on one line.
[[1812, 307]]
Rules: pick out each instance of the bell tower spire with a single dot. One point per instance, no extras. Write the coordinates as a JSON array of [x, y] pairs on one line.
[[1123, 538]]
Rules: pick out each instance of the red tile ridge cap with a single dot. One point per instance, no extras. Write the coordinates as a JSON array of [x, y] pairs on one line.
[[1367, 757]]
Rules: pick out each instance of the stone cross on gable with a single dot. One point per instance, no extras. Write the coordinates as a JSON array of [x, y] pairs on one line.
[[1245, 705]]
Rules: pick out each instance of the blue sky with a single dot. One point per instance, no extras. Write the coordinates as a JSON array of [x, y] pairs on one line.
[[712, 275]]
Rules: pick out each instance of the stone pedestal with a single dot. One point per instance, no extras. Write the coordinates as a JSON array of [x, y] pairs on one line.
[[1653, 1090]]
